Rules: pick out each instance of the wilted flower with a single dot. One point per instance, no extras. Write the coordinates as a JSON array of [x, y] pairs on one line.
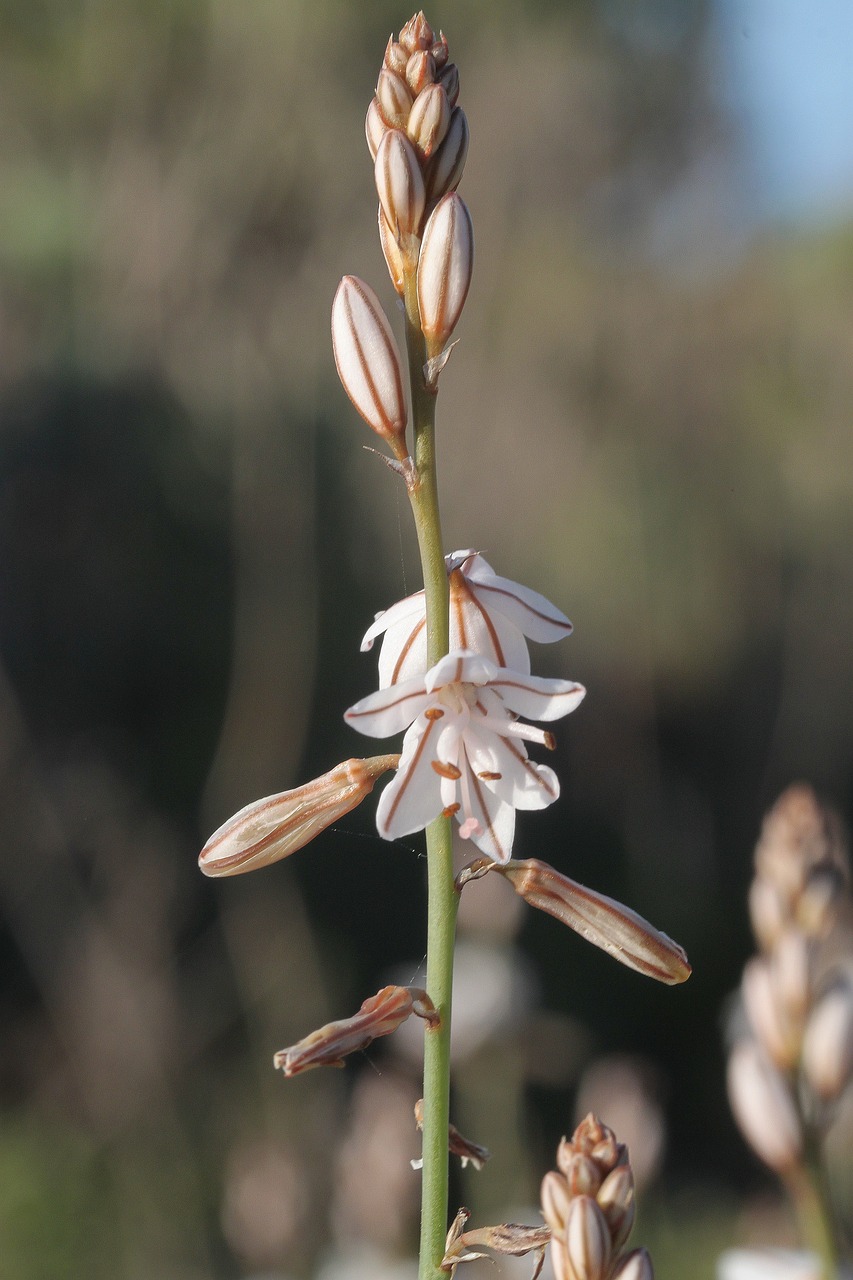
[[489, 615], [464, 754], [379, 1015]]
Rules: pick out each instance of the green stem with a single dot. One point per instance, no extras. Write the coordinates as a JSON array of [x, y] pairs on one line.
[[441, 911], [808, 1186]]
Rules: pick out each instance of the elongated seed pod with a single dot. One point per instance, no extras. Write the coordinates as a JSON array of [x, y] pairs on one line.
[[444, 269], [368, 361]]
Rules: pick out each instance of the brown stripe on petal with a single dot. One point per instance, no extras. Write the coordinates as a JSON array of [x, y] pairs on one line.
[[412, 765], [501, 853], [536, 613], [352, 714], [404, 652], [462, 595], [529, 767]]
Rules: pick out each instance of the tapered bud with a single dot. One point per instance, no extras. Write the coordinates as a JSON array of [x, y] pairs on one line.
[[555, 1198], [768, 911], [394, 98], [817, 907], [636, 1265], [395, 259], [272, 828], [779, 1032], [559, 1260], [828, 1043], [583, 1175], [449, 80], [444, 170], [375, 127], [400, 183], [444, 270], [395, 57], [618, 930], [439, 51], [429, 120], [368, 361], [615, 1199], [764, 1107], [417, 34], [378, 1016], [420, 71], [792, 972], [588, 1245]]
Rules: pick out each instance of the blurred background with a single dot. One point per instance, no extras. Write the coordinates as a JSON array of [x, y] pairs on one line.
[[647, 419]]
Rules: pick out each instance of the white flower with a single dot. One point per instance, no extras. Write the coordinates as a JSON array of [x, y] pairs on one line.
[[489, 615], [464, 753]]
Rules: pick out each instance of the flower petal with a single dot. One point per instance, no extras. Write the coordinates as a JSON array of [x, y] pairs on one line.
[[495, 818], [535, 697], [389, 711], [413, 798], [461, 667], [533, 614]]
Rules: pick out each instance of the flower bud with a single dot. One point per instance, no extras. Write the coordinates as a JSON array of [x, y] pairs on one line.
[[555, 1198], [417, 34], [444, 170], [394, 98], [368, 361], [587, 1240], [764, 1107], [395, 57], [400, 183], [767, 911], [444, 270], [395, 259], [429, 120], [375, 127], [449, 80], [559, 1261], [440, 51], [615, 1199], [828, 1043], [791, 972], [618, 930], [636, 1265], [778, 1031], [378, 1016], [272, 828], [420, 71], [583, 1175]]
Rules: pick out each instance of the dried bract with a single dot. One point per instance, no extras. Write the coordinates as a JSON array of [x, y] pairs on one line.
[[378, 1016], [469, 1152], [273, 828], [444, 270], [368, 361], [616, 929]]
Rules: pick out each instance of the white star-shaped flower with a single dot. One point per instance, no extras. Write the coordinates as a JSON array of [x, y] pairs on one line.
[[463, 753], [489, 615]]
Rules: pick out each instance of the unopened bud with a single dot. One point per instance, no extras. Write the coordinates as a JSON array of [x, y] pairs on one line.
[[429, 120], [395, 260], [368, 361], [378, 1016], [792, 966], [767, 911], [764, 1108], [272, 828], [417, 34], [555, 1198], [616, 929], [583, 1175], [375, 127], [395, 57], [636, 1265], [439, 51], [444, 270], [779, 1032], [394, 98], [828, 1043], [420, 71], [444, 170], [449, 80], [817, 906], [588, 1247], [400, 183], [615, 1199]]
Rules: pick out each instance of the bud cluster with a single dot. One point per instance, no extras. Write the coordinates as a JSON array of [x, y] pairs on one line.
[[589, 1206], [797, 992], [418, 139]]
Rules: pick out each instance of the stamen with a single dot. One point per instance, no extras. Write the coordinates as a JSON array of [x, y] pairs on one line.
[[550, 741], [448, 771], [490, 777], [514, 729]]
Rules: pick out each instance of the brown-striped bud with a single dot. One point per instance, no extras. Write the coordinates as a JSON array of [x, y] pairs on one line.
[[583, 1175], [444, 170], [828, 1043], [618, 930], [764, 1107], [375, 127], [400, 184], [779, 1033], [448, 78], [420, 71], [378, 1016], [555, 1198], [615, 1199], [588, 1247], [395, 57], [272, 828], [417, 34], [439, 51], [636, 1265], [368, 361], [792, 966], [444, 270], [429, 120], [394, 98], [395, 260], [768, 911]]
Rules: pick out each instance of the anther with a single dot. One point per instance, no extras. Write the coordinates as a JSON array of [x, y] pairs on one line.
[[446, 770], [490, 777], [550, 742], [451, 811], [434, 713]]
